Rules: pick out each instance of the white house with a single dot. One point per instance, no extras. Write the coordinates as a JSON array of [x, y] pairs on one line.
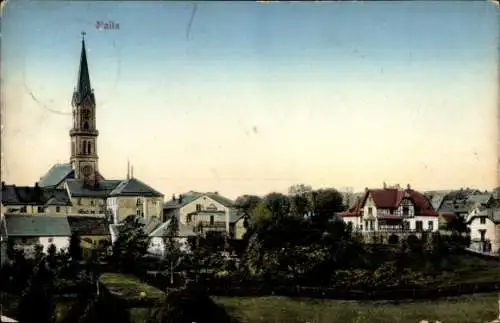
[[392, 210], [484, 225], [26, 231], [157, 243], [205, 212]]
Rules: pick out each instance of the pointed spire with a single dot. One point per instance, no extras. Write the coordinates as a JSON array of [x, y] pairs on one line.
[[83, 88], [128, 169], [131, 171]]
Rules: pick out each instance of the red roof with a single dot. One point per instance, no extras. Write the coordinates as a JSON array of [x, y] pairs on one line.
[[390, 198]]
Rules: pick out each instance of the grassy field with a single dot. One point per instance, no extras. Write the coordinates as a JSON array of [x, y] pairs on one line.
[[478, 308]]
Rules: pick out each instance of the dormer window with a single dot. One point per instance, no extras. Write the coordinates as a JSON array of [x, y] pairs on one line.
[[370, 211], [198, 207], [406, 210]]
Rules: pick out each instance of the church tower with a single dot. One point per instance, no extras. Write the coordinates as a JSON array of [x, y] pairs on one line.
[[84, 159]]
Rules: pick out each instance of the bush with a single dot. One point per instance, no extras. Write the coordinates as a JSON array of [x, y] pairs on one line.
[[191, 305]]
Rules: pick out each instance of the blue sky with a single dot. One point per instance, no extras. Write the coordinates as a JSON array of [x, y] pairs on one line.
[[251, 98]]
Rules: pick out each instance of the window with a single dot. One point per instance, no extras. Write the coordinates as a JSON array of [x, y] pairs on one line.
[[139, 213], [51, 240], [23, 209], [372, 225], [138, 202], [430, 225], [211, 219], [391, 211], [89, 147], [406, 210], [79, 201], [370, 211], [58, 209], [92, 212], [361, 227], [40, 209], [482, 221], [198, 207], [419, 225], [189, 218], [84, 148], [92, 202], [85, 126]]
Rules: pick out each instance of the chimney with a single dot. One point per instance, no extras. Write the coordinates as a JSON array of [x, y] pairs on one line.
[[180, 199], [385, 185], [408, 187], [131, 171], [216, 193], [366, 189], [36, 184], [128, 169], [173, 197], [3, 184]]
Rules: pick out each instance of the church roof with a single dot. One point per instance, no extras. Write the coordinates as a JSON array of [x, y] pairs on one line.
[[83, 88], [56, 175], [134, 187], [78, 188]]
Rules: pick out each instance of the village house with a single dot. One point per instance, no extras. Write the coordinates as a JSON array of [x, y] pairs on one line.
[[392, 212], [26, 231], [206, 212], [484, 226], [156, 244], [93, 232], [33, 200]]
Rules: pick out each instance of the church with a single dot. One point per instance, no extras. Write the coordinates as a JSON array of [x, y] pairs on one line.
[[88, 191]]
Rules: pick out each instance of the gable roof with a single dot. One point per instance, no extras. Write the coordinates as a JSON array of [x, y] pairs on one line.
[[192, 196], [480, 198], [233, 218], [390, 198], [56, 175], [162, 230], [78, 188], [28, 195], [134, 187], [37, 226], [88, 225]]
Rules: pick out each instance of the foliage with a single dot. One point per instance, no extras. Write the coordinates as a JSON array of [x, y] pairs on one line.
[[190, 305], [75, 248], [130, 245], [36, 303], [173, 251], [247, 203]]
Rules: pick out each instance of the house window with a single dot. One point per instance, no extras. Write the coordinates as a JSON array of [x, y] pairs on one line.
[[211, 219], [198, 207], [23, 209], [139, 213], [79, 201], [419, 225], [370, 211], [189, 218], [92, 202], [406, 210], [372, 225], [482, 221], [40, 209], [58, 209], [430, 225], [51, 240], [138, 202], [360, 227], [92, 212], [406, 225], [391, 211]]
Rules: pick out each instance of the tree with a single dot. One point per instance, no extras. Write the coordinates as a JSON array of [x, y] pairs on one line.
[[172, 246], [178, 308], [131, 245], [325, 203], [300, 199], [36, 303], [247, 203], [75, 247], [278, 204]]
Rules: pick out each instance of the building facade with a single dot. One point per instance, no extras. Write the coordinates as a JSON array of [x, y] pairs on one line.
[[392, 211]]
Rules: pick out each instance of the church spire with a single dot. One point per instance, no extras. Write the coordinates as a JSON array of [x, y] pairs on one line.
[[83, 88]]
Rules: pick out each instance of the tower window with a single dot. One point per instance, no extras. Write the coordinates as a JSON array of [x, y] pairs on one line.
[[89, 147], [84, 147], [85, 126]]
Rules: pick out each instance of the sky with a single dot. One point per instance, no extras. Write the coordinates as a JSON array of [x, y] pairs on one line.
[[250, 98]]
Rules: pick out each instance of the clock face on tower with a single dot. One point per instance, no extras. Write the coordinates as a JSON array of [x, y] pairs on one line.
[[86, 171]]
